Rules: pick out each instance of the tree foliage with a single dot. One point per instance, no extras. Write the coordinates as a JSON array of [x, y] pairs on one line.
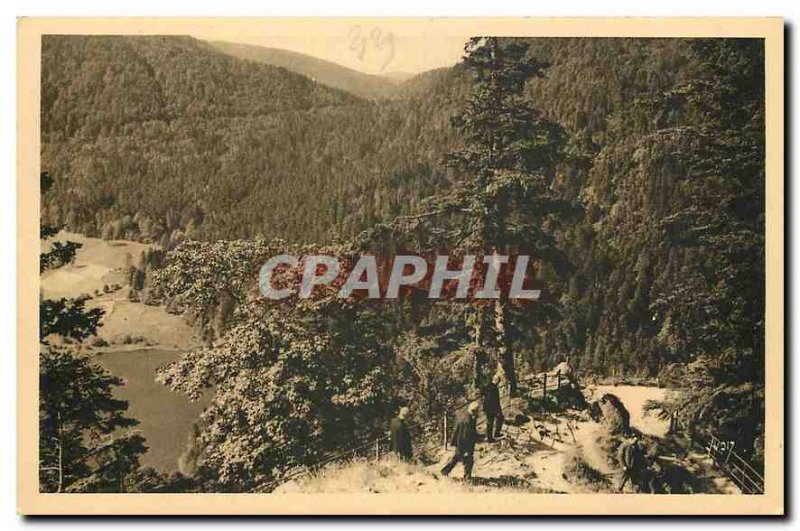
[[660, 141], [289, 381], [501, 197], [85, 441], [67, 318], [714, 312]]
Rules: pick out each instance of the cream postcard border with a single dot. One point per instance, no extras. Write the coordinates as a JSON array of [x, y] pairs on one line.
[[32, 502]]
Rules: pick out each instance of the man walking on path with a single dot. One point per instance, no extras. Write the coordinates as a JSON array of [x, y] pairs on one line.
[[465, 435], [400, 436], [493, 409]]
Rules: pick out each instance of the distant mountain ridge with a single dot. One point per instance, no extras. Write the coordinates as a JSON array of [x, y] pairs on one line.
[[96, 84], [189, 140], [326, 72], [398, 77]]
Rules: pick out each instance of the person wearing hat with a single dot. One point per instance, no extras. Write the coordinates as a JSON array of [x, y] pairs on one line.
[[465, 435], [400, 436]]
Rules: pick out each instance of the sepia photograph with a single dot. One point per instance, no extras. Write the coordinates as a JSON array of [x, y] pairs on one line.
[[423, 262]]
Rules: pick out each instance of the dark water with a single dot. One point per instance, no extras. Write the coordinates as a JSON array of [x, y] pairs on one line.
[[165, 418]]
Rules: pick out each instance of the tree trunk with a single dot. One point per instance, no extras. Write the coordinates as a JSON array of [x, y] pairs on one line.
[[60, 455], [506, 354], [480, 349]]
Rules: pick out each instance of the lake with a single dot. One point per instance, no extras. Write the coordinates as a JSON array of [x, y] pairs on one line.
[[165, 417]]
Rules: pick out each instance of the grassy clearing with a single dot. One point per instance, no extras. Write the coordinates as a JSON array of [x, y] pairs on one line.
[[98, 271]]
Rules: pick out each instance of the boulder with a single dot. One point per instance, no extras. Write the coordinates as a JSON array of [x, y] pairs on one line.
[[563, 368], [613, 413]]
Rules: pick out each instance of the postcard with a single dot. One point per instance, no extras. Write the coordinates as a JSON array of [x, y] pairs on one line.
[[393, 266]]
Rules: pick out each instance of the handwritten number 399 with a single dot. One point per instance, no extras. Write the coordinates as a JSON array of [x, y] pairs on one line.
[[377, 40]]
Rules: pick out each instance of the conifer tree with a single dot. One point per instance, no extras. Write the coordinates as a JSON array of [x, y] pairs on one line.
[[501, 198], [83, 442], [715, 309]]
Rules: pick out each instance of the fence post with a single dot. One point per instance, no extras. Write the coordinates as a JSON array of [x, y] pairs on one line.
[[377, 450], [544, 385], [558, 380], [444, 431]]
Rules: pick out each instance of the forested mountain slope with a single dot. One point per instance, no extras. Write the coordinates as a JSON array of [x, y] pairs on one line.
[[325, 72], [92, 85], [158, 137], [163, 137], [248, 144]]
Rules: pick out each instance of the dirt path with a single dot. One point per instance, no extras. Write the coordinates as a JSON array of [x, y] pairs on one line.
[[634, 398], [538, 456]]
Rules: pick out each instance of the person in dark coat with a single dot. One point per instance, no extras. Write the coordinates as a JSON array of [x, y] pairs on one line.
[[400, 436], [493, 409], [673, 422], [465, 435], [631, 456]]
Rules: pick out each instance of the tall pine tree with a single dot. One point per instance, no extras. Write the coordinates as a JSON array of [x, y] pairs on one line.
[[500, 199], [716, 309]]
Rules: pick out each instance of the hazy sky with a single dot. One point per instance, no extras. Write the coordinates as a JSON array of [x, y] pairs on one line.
[[371, 46]]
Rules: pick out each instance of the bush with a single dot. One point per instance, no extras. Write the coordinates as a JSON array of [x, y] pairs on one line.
[[580, 472], [99, 342]]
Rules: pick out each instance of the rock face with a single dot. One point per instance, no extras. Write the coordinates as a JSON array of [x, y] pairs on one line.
[[612, 413]]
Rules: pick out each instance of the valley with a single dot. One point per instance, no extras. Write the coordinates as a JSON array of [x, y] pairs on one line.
[[137, 340], [629, 170]]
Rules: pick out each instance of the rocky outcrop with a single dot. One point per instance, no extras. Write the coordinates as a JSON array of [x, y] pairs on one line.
[[611, 411]]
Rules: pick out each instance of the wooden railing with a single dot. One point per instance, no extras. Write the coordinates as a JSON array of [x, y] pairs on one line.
[[724, 455]]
